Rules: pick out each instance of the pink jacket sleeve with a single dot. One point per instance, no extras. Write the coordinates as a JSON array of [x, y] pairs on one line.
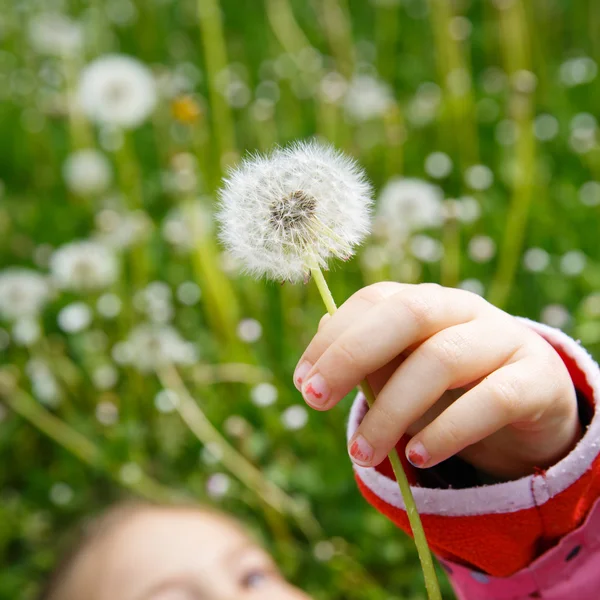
[[536, 537]]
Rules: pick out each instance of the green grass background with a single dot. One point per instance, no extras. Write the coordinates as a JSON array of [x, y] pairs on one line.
[[408, 43]]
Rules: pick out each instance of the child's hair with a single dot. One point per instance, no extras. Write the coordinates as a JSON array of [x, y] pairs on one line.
[[94, 530]]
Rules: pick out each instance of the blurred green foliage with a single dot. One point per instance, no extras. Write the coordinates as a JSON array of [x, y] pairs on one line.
[[410, 88]]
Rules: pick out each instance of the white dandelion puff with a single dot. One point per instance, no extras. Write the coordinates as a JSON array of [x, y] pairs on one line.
[[87, 172], [83, 266], [293, 210], [407, 205], [367, 97], [23, 293], [75, 317], [149, 347], [55, 34], [117, 90]]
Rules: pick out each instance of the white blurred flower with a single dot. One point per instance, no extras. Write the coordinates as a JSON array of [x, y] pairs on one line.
[[105, 377], [589, 193], [296, 208], [236, 426], [536, 260], [188, 293], [43, 383], [324, 551], [121, 230], [217, 485], [166, 401], [23, 293], [55, 34], [426, 248], [367, 97], [130, 473], [479, 177], [185, 224], [424, 107], [573, 263], [249, 330], [26, 331], [107, 413], [117, 89], [83, 265], [61, 493], [472, 285], [577, 71], [264, 394], [155, 300], [109, 306], [149, 347], [545, 127], [295, 417], [465, 209], [407, 205], [482, 248], [555, 315], [87, 172], [438, 165], [75, 317]]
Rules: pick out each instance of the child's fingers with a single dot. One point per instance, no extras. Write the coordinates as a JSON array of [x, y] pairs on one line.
[[331, 327], [365, 345], [451, 358], [513, 393]]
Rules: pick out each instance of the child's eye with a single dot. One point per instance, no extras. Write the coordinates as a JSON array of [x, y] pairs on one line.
[[254, 579]]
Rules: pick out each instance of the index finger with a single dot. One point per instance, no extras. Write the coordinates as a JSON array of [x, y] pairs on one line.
[[410, 316]]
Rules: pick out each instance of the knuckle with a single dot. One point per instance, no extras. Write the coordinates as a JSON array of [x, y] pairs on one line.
[[448, 349], [452, 434], [348, 354], [419, 306], [507, 395]]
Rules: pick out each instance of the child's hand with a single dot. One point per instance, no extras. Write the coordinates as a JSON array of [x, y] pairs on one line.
[[460, 375]]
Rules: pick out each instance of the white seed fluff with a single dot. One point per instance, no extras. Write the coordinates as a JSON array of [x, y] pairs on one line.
[[84, 265], [87, 172], [23, 293], [295, 208], [406, 205], [117, 90]]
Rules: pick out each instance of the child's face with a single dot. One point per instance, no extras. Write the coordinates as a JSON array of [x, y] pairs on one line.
[[174, 554]]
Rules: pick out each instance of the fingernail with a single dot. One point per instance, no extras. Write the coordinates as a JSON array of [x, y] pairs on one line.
[[361, 451], [417, 455], [316, 391], [300, 373]]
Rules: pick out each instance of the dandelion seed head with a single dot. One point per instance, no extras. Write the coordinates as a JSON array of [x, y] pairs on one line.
[[298, 207], [105, 377], [107, 413], [151, 346], [116, 89], [407, 205], [26, 331], [556, 315], [294, 417], [61, 494], [23, 293], [83, 265], [75, 317], [217, 485], [87, 172]]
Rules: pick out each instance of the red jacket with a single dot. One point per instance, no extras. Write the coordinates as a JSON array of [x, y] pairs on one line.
[[536, 537]]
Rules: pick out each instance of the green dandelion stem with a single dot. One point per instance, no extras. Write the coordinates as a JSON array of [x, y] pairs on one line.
[[431, 582]]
